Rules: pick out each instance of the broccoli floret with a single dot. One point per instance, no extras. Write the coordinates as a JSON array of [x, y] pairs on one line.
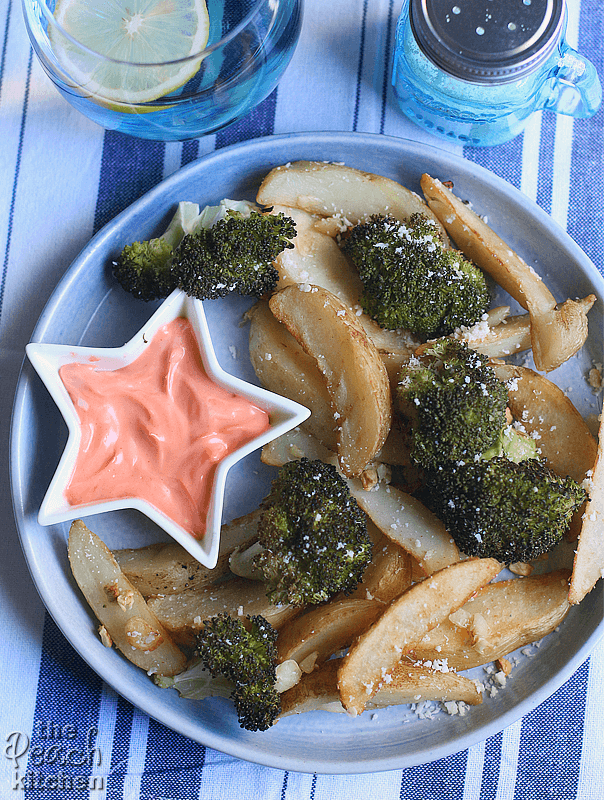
[[234, 255], [502, 509], [410, 280], [244, 654], [452, 403], [144, 268], [313, 534]]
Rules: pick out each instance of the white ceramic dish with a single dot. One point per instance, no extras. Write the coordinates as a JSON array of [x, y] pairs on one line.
[[88, 308], [47, 360]]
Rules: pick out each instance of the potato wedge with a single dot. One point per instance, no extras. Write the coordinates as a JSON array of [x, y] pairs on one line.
[[512, 335], [162, 568], [326, 629], [388, 574], [375, 654], [119, 607], [337, 190], [408, 523], [282, 366], [356, 378], [557, 332], [182, 614], [499, 619], [588, 566], [410, 683], [167, 568], [293, 445], [546, 413]]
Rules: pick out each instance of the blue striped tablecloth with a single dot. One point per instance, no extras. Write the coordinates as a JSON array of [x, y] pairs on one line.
[[61, 179]]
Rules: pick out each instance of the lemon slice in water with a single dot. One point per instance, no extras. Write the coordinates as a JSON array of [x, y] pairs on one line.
[[135, 44]]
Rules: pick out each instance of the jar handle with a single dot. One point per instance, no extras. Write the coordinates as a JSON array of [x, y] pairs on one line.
[[574, 86]]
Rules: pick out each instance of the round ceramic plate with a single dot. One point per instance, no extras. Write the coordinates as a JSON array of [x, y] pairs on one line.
[[87, 308]]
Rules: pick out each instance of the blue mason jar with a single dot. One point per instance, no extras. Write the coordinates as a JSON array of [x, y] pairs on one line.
[[473, 71]]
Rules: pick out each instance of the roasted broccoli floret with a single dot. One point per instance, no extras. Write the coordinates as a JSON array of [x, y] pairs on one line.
[[234, 255], [410, 280], [245, 654], [313, 535], [145, 268], [225, 248], [452, 403], [502, 509]]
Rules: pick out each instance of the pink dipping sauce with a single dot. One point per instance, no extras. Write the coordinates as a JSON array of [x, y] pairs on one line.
[[156, 428]]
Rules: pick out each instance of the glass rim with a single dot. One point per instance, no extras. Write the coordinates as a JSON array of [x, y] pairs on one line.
[[232, 34]]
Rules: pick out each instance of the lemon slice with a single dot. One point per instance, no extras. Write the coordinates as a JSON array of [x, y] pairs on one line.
[[133, 49]]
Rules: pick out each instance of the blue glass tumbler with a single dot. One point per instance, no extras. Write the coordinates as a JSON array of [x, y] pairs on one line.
[[473, 71]]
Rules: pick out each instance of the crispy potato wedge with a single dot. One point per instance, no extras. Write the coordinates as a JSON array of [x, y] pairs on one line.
[[167, 568], [557, 332], [337, 190], [356, 378], [119, 607], [295, 444], [182, 614], [374, 655], [546, 413], [162, 568], [282, 366], [408, 523], [512, 335], [326, 629], [588, 566], [502, 617], [388, 574], [410, 683], [316, 258]]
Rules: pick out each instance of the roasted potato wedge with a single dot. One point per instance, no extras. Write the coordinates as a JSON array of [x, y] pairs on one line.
[[167, 568], [546, 413], [356, 378], [411, 683], [388, 574], [322, 631], [374, 655], [588, 566], [282, 366], [182, 614], [162, 568], [512, 335], [292, 445], [500, 618], [337, 190], [119, 607], [557, 332], [408, 523]]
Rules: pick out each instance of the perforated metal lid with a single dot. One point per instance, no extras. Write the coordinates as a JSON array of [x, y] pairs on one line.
[[487, 41]]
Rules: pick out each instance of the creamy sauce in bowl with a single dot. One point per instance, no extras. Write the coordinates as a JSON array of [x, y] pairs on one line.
[[157, 428]]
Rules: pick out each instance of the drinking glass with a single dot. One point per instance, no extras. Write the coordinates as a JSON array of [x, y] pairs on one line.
[[249, 46]]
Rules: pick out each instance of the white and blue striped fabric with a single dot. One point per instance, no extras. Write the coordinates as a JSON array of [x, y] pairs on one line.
[[61, 179]]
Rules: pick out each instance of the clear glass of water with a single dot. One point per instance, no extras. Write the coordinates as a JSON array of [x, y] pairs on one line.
[[244, 48]]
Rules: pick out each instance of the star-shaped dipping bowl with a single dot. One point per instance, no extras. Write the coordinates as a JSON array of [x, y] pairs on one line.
[[47, 359]]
